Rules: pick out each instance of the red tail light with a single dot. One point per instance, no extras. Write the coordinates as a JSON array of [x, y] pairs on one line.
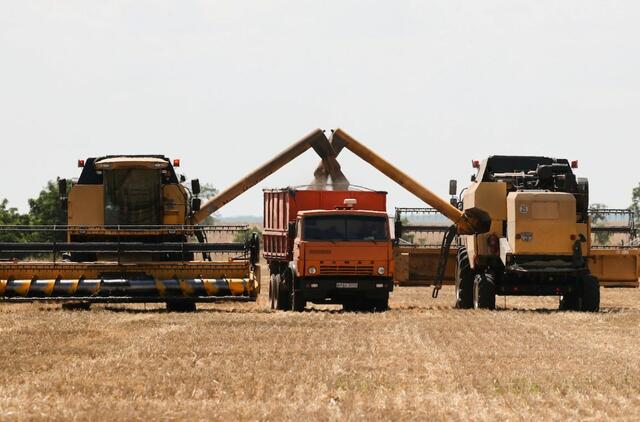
[[574, 164], [176, 162], [475, 164], [80, 163]]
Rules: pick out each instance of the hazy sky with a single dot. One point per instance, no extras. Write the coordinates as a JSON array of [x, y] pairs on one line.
[[224, 85]]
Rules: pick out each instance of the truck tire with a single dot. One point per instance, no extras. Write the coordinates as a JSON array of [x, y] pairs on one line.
[[484, 292], [297, 301], [381, 304], [590, 294], [272, 292], [281, 294], [181, 305], [464, 281]]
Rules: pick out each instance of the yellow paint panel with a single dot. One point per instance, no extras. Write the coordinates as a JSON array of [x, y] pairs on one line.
[[541, 223], [489, 197], [86, 205], [174, 204], [545, 211], [615, 266]]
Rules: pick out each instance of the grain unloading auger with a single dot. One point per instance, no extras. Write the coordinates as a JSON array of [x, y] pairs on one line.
[[133, 234], [470, 221]]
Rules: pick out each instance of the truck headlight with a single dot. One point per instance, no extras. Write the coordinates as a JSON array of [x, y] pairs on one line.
[[312, 270], [381, 270]]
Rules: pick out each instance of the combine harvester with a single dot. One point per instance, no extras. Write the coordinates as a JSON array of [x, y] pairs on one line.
[[133, 234], [544, 238]]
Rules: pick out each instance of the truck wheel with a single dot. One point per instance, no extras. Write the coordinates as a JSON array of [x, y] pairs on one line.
[[590, 294], [297, 301], [350, 306], [484, 292], [181, 305], [272, 292], [464, 281], [281, 294], [381, 304]]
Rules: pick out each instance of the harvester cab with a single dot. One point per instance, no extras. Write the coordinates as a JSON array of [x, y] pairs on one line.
[[539, 238]]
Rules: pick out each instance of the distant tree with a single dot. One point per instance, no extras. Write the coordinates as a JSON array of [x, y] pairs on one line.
[[46, 210], [207, 191], [11, 217], [244, 236], [598, 218]]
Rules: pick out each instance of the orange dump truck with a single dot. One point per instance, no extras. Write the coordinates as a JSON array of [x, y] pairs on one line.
[[328, 247]]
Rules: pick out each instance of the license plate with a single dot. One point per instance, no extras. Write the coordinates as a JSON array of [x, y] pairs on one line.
[[347, 285]]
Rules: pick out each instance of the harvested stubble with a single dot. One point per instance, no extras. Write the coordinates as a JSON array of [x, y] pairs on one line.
[[240, 361]]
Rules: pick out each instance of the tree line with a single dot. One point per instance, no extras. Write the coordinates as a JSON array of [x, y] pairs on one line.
[[45, 210]]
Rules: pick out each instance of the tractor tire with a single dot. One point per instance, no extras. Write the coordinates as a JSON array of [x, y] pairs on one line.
[[464, 281], [181, 305], [484, 292], [281, 294], [590, 294]]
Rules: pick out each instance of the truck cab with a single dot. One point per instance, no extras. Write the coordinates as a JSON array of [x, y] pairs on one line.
[[343, 256]]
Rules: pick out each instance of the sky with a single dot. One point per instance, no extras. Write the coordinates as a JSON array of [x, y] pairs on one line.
[[224, 85]]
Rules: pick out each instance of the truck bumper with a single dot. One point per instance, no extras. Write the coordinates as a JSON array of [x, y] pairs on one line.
[[338, 290]]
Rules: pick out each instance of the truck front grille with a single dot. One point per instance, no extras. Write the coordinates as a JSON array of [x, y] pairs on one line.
[[346, 270]]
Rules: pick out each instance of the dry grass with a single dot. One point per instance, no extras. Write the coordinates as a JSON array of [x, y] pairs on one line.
[[241, 361]]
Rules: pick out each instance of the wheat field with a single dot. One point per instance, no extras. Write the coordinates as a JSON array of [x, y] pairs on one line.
[[238, 361]]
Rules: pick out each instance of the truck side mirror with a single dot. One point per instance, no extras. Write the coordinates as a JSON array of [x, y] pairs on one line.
[[195, 204], [195, 186], [453, 187], [291, 232], [62, 188], [62, 193]]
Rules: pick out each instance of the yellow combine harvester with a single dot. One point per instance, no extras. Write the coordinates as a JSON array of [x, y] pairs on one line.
[[539, 243], [134, 234]]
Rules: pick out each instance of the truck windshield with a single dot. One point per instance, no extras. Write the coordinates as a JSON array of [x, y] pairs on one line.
[[132, 197], [345, 228]]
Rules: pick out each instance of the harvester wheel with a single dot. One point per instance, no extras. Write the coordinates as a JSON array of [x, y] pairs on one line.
[[569, 302], [181, 305], [281, 294], [590, 294], [484, 292], [464, 281]]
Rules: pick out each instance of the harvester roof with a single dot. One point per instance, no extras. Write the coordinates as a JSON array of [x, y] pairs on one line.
[[131, 162], [93, 167]]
